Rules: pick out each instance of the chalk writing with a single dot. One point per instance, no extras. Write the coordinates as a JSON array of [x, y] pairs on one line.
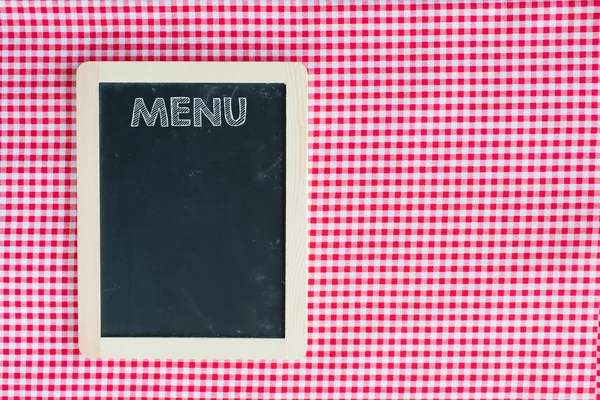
[[179, 110]]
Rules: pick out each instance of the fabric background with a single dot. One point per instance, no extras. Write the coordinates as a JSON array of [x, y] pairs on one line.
[[454, 210]]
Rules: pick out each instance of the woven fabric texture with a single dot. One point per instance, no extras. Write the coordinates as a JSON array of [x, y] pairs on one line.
[[454, 209]]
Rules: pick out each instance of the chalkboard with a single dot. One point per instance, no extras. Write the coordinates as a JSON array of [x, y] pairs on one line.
[[192, 217], [192, 198]]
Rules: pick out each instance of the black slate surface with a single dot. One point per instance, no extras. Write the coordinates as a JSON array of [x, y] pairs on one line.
[[192, 218]]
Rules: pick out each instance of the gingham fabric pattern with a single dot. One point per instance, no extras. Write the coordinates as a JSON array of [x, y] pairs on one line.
[[454, 210]]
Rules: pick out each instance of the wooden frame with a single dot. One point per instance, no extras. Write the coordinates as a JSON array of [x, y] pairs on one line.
[[91, 344]]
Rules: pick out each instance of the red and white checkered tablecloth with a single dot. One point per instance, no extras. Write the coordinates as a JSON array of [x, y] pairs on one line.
[[454, 198]]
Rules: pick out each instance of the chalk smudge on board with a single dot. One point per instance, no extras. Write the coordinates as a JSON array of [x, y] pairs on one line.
[[112, 288], [276, 163], [262, 175], [197, 311]]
